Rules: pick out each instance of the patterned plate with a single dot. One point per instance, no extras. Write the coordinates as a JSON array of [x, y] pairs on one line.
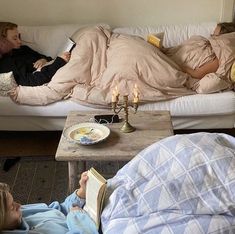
[[86, 133]]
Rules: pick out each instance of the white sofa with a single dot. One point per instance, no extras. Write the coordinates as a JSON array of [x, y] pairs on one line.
[[199, 111]]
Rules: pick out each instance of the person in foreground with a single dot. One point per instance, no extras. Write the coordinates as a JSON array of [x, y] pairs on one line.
[[181, 184], [28, 66], [59, 218]]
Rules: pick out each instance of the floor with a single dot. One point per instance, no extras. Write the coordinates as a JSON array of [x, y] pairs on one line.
[[42, 179]]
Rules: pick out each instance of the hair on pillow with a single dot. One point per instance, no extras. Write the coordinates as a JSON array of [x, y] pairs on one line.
[[7, 82], [5, 46]]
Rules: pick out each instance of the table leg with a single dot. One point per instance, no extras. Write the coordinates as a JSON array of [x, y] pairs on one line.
[[74, 173]]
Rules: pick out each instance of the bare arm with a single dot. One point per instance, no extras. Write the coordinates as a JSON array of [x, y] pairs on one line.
[[206, 68]]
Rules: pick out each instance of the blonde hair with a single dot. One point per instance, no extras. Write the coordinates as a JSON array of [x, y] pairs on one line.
[[4, 190], [5, 26]]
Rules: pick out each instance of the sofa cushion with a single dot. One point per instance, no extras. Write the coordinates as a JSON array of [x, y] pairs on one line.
[[173, 34], [48, 40]]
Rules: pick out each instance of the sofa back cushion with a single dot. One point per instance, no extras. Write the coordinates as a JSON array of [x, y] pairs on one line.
[[173, 34], [48, 40]]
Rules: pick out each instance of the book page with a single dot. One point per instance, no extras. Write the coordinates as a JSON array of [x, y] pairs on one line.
[[95, 189], [68, 46]]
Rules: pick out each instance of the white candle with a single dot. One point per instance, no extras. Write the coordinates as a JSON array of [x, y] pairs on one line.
[[136, 94], [115, 95], [114, 98], [136, 100]]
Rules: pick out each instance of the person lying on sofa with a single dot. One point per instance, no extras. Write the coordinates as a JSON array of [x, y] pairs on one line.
[[213, 65], [59, 218], [26, 64]]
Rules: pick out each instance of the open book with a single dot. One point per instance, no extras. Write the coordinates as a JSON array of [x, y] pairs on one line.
[[95, 193], [156, 39], [69, 45]]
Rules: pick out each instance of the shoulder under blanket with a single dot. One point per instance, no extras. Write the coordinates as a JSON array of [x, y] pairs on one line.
[[100, 62]]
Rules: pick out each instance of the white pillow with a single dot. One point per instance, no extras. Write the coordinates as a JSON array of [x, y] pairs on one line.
[[7, 82]]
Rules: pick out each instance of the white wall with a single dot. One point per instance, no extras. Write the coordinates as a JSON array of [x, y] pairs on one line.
[[115, 12]]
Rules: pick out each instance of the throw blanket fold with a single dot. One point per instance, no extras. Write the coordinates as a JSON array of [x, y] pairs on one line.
[[181, 184], [100, 62]]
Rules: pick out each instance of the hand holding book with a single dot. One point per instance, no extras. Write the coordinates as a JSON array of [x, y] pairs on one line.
[[81, 192], [95, 193]]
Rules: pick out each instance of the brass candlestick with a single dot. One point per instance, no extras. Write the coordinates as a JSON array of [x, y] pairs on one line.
[[127, 127]]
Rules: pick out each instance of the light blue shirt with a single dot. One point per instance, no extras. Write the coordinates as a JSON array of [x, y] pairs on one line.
[[55, 219]]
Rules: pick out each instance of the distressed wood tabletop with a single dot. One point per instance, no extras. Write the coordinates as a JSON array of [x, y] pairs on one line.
[[151, 126]]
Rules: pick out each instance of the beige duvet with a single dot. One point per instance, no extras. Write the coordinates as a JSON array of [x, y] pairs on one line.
[[101, 61]]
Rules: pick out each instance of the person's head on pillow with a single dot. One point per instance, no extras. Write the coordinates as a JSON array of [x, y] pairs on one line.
[[9, 31], [5, 46], [225, 27]]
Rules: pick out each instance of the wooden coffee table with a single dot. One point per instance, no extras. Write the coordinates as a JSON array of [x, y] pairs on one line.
[[151, 126]]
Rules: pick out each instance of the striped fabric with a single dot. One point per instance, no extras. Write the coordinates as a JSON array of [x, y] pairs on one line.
[[182, 184]]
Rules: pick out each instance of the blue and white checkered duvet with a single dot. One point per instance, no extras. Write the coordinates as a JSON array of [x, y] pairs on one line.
[[182, 184]]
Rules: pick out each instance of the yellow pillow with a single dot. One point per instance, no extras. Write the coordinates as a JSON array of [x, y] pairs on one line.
[[233, 72]]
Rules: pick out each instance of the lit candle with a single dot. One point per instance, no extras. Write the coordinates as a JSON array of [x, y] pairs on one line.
[[136, 94], [115, 95], [136, 100]]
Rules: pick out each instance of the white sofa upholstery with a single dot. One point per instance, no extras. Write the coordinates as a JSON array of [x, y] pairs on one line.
[[190, 112]]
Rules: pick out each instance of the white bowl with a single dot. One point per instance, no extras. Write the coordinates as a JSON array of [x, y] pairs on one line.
[[86, 133]]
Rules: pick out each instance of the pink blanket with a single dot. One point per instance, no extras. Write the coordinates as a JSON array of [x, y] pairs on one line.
[[100, 62]]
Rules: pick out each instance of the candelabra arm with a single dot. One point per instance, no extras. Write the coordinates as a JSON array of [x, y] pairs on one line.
[[135, 107], [114, 107], [126, 126]]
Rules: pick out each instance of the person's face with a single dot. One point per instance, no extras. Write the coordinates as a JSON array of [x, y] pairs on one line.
[[217, 31], [14, 37], [13, 214]]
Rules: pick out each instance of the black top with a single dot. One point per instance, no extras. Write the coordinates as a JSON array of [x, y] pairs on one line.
[[20, 61]]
